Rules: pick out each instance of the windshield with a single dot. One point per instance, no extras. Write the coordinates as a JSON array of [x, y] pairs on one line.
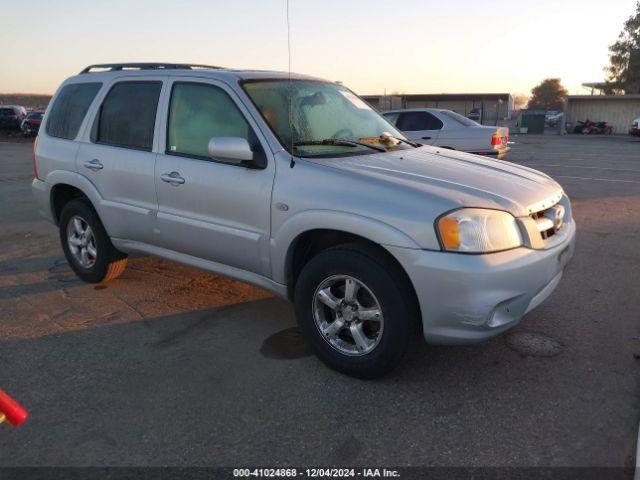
[[320, 111], [34, 115], [459, 118]]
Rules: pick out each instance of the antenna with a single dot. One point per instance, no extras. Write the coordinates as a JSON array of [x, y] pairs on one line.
[[293, 161]]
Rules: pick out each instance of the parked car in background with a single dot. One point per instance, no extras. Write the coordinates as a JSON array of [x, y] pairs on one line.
[[31, 123], [635, 128], [448, 129], [550, 113], [375, 239], [555, 119], [475, 114], [11, 116]]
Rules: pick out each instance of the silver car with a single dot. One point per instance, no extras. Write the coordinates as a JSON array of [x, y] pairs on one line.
[[296, 185], [448, 129]]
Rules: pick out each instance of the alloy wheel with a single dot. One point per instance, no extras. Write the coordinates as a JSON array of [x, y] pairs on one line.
[[81, 242], [348, 315]]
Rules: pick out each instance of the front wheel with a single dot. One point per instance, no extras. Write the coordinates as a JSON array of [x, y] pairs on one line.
[[86, 244], [356, 308]]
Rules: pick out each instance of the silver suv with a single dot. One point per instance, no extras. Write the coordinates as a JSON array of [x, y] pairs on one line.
[[296, 185]]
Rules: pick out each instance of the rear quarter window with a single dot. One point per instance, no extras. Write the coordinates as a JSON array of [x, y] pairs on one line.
[[69, 109]]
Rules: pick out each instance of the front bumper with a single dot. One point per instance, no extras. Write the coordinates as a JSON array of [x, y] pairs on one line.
[[471, 298]]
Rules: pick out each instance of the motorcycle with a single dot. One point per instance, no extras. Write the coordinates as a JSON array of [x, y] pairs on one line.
[[589, 127]]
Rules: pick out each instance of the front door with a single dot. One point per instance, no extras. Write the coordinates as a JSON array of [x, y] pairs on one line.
[[207, 208]]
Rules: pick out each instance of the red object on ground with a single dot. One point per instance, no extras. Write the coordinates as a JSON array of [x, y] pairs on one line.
[[13, 412]]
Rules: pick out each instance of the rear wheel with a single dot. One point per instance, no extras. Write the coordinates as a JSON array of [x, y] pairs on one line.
[[356, 310], [86, 244]]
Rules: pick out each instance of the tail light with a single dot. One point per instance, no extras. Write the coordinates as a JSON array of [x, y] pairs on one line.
[[506, 139], [11, 411], [35, 162], [495, 139]]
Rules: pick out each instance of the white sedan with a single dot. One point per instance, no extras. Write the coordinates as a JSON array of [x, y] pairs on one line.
[[448, 129]]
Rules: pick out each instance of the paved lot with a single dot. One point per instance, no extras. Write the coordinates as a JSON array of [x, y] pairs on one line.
[[171, 366]]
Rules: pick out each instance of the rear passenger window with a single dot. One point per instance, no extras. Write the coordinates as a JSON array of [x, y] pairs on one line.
[[415, 121], [199, 112], [128, 115], [433, 122], [69, 109]]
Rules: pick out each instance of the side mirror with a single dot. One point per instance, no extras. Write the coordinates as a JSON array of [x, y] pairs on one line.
[[235, 150]]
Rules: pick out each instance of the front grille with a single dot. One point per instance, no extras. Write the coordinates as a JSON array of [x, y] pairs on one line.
[[550, 220]]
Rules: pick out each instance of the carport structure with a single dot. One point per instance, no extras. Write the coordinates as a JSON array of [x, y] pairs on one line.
[[618, 110]]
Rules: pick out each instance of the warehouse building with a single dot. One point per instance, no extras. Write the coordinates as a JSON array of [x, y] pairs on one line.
[[492, 108], [618, 110]]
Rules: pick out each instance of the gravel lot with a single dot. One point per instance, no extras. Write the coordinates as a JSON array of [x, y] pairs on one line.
[[171, 366]]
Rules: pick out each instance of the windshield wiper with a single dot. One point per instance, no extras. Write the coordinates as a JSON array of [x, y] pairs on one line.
[[339, 142]]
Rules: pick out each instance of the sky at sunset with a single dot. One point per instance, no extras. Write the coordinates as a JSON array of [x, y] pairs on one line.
[[404, 45]]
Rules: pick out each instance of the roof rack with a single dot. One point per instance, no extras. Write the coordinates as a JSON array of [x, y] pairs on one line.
[[113, 67]]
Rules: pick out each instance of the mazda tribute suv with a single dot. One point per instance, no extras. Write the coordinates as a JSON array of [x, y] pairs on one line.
[[298, 186]]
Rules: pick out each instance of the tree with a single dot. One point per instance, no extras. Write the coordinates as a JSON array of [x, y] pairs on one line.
[[624, 57], [548, 95], [520, 100]]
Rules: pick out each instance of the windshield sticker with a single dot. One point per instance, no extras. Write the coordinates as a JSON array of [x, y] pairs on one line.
[[355, 100]]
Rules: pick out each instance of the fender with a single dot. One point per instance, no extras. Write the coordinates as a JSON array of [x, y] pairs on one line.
[[82, 183], [306, 220]]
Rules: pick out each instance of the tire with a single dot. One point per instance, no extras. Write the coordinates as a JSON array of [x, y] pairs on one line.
[[106, 262], [385, 285]]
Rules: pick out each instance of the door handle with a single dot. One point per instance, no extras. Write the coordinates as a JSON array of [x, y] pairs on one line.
[[426, 138], [173, 178], [94, 165]]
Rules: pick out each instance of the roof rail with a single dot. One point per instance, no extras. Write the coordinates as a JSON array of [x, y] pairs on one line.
[[113, 67]]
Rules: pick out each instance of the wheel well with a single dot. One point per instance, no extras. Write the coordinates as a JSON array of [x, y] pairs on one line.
[[312, 242], [61, 195]]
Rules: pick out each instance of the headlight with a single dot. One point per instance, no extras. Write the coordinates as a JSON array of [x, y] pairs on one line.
[[478, 230]]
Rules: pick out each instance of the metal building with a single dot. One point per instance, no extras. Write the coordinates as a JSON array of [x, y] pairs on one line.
[[618, 110], [492, 107]]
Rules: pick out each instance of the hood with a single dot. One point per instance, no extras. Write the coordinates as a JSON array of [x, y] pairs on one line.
[[463, 179]]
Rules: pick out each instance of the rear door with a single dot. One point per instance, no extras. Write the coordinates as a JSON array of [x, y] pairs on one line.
[[119, 158], [207, 208], [421, 127]]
